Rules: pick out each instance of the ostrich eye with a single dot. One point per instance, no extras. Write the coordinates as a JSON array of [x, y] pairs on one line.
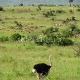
[[33, 70]]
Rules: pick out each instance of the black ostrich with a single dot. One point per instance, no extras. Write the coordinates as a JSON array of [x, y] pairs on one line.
[[42, 69]]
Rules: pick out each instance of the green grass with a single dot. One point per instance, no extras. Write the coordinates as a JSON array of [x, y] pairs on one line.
[[18, 58]]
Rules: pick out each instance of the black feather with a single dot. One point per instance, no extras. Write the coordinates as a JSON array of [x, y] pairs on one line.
[[42, 68]]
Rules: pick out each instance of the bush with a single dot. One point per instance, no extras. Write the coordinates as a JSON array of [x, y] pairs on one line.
[[67, 33], [50, 30], [69, 19], [39, 7], [70, 31], [39, 41], [21, 4], [4, 39], [73, 18], [70, 11], [64, 42], [52, 19], [77, 31], [52, 37], [47, 40], [18, 24], [50, 40], [0, 19], [16, 37], [66, 21], [60, 11], [78, 10], [72, 27], [1, 9], [49, 13]]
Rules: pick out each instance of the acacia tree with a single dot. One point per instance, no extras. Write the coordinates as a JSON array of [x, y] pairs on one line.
[[70, 2]]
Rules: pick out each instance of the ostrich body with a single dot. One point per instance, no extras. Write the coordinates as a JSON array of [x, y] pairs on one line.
[[42, 69]]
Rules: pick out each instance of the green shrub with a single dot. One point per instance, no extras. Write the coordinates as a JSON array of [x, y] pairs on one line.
[[67, 33], [54, 40], [77, 31], [73, 18], [0, 19], [70, 11], [39, 7], [16, 37], [39, 41], [52, 36], [50, 30], [1, 8], [49, 13], [78, 10], [72, 27], [70, 31], [18, 24], [46, 15], [21, 4], [64, 42], [69, 19], [60, 11], [52, 19], [50, 39], [66, 21], [4, 39]]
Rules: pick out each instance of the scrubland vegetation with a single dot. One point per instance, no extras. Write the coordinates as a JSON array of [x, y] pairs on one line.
[[29, 34]]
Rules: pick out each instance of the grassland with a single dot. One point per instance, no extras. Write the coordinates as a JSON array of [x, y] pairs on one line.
[[18, 58], [30, 18]]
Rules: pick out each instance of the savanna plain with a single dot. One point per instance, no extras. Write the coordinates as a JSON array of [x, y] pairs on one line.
[[17, 57]]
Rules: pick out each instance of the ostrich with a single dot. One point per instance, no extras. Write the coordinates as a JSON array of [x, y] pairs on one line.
[[42, 69]]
